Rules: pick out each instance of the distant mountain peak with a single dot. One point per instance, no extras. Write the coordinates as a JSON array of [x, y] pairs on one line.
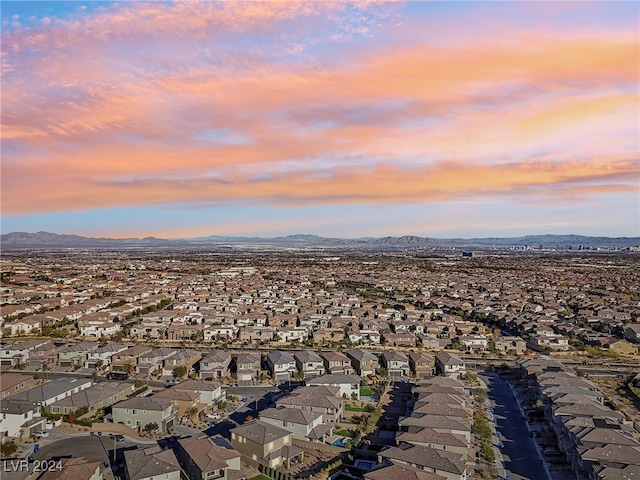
[[41, 239]]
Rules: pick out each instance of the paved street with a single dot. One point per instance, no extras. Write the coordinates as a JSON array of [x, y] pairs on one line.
[[521, 459], [93, 448]]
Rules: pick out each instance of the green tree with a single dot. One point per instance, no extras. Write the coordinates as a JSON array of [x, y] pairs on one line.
[[180, 371], [9, 449]]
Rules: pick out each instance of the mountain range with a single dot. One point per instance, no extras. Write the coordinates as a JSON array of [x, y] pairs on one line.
[[24, 240]]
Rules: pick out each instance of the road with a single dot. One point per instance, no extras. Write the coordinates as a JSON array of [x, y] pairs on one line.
[[521, 457], [92, 448]]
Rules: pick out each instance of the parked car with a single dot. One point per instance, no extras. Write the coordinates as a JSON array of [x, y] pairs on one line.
[[552, 453], [41, 434], [214, 416]]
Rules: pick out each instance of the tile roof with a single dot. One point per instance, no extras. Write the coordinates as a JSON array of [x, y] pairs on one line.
[[428, 457], [150, 462], [401, 472], [145, 403], [260, 432], [294, 415], [206, 453]]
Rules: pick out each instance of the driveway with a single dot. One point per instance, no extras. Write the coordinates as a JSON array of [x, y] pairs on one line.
[[521, 458]]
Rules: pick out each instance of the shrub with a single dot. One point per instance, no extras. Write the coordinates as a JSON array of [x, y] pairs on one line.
[[487, 452], [8, 449]]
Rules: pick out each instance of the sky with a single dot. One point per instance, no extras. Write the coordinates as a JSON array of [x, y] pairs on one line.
[[438, 119]]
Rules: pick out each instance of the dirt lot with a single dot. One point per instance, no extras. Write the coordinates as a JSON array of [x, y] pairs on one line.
[[615, 389]]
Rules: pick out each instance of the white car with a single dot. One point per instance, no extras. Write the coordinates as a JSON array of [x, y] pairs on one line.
[[41, 434], [213, 416]]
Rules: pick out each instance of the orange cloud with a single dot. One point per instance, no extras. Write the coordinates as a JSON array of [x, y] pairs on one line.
[[385, 184], [96, 125]]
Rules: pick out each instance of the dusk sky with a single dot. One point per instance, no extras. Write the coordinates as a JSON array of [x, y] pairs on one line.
[[441, 119]]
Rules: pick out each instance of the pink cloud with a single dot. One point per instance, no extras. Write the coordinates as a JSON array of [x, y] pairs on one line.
[[59, 191], [100, 123]]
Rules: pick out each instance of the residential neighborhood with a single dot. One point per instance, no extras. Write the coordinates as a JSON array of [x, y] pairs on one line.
[[367, 366]]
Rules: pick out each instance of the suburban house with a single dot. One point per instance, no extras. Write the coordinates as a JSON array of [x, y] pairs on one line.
[[432, 438], [101, 356], [396, 363], [151, 362], [16, 353], [364, 363], [349, 385], [257, 333], [292, 334], [400, 472], [98, 328], [337, 363], [20, 418], [510, 345], [186, 402], [248, 368], [451, 465], [213, 333], [215, 365], [320, 390], [149, 328], [50, 392], [282, 366], [450, 365], [632, 332], [24, 326], [185, 357], [402, 339], [151, 464], [137, 412], [74, 355], [12, 383], [549, 341], [210, 392], [309, 363], [126, 360], [78, 468], [619, 345], [474, 343], [265, 443], [421, 364], [44, 357], [209, 458], [331, 408], [303, 424], [100, 395], [21, 413], [183, 331]]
